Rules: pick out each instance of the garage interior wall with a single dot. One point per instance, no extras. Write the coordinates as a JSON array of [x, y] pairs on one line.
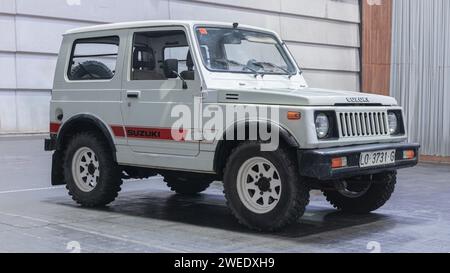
[[322, 34], [420, 78]]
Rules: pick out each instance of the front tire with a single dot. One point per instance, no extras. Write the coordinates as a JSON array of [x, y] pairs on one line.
[[263, 189], [93, 177], [362, 195]]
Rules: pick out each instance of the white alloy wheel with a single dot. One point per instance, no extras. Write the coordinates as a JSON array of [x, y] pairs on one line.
[[259, 185], [85, 169]]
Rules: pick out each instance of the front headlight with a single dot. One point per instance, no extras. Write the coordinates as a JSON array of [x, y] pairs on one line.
[[393, 123], [322, 125]]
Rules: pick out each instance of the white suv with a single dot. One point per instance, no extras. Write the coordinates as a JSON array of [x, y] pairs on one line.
[[198, 102]]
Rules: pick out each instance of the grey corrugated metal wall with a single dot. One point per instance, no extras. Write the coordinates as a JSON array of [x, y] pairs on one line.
[[421, 70]]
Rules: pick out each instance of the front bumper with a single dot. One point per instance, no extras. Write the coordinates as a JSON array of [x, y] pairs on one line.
[[317, 163]]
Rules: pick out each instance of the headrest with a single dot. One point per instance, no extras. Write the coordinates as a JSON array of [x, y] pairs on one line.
[[143, 57]]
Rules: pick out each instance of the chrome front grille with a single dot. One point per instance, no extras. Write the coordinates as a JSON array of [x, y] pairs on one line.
[[363, 124]]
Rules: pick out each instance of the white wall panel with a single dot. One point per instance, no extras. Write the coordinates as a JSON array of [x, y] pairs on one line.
[[96, 10], [316, 8], [346, 10], [32, 111], [7, 33], [268, 5], [47, 31], [8, 6], [196, 11], [326, 57], [24, 111], [7, 111], [35, 71], [319, 31], [7, 71], [332, 80]]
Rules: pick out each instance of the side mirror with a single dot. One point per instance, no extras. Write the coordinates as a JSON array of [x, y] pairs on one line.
[[171, 68], [171, 71]]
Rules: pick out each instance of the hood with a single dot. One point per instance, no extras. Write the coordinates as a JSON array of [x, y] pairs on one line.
[[302, 97]]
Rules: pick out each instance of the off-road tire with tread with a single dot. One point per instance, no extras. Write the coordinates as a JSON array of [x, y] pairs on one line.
[[376, 196], [294, 196], [110, 180]]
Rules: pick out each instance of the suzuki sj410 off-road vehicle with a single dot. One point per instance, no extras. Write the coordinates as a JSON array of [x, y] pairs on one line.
[[134, 100]]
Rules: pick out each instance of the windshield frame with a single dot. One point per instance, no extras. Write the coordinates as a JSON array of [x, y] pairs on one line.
[[286, 54]]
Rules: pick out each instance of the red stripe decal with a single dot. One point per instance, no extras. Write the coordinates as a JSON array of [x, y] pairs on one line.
[[54, 127], [155, 133], [118, 130], [138, 132], [149, 133]]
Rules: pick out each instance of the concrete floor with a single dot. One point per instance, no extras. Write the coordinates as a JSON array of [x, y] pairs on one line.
[[147, 217]]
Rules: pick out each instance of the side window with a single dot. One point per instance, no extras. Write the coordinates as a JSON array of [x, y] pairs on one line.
[[93, 59], [157, 55]]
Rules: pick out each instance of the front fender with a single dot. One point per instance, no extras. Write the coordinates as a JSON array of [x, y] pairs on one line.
[[242, 125]]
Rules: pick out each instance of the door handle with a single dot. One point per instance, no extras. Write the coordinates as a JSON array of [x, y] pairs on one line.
[[133, 94]]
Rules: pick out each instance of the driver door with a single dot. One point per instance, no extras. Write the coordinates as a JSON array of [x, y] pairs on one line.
[[151, 90]]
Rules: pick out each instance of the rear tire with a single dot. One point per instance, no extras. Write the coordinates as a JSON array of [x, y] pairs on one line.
[[370, 198], [187, 185], [93, 177], [263, 189]]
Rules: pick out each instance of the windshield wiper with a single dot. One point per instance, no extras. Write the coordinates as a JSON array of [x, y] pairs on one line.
[[246, 67], [233, 62], [254, 63], [226, 61], [290, 74]]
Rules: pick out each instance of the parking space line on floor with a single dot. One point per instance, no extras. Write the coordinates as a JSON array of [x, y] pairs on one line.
[[114, 237], [92, 232], [32, 189], [59, 187], [25, 217]]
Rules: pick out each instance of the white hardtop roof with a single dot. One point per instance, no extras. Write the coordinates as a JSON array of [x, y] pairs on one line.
[[153, 23]]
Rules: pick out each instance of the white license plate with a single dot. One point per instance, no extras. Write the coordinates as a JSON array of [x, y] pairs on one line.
[[377, 158]]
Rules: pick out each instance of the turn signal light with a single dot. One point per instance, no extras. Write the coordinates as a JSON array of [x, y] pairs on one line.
[[409, 154], [294, 115], [339, 162]]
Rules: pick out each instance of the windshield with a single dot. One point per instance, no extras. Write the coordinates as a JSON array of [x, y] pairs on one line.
[[242, 51]]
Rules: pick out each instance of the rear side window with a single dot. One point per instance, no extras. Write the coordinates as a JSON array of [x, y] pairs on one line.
[[93, 59]]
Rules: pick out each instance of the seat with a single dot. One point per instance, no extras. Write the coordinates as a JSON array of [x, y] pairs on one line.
[[144, 64], [189, 74]]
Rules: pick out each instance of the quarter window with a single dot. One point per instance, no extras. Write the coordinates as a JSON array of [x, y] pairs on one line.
[[93, 59]]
